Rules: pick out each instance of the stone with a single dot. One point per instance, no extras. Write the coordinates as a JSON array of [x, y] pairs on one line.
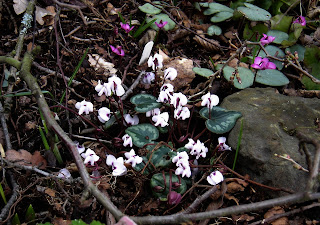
[[267, 118]]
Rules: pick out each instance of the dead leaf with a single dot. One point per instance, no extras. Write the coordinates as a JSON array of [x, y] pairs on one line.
[[23, 157], [242, 218], [234, 187], [147, 37], [274, 211], [96, 61], [50, 192], [40, 13], [177, 34], [213, 45], [230, 197], [185, 73], [20, 6], [49, 19], [165, 57], [30, 125]]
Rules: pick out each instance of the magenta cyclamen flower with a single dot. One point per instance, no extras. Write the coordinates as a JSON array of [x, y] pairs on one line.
[[266, 39], [263, 63], [161, 24], [301, 20], [118, 50], [126, 27]]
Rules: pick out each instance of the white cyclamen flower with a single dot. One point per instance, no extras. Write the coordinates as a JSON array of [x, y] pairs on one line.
[[190, 144], [222, 144], [84, 107], [209, 100], [148, 78], [183, 169], [199, 150], [178, 100], [132, 158], [64, 174], [155, 61], [153, 112], [180, 157], [104, 114], [167, 88], [116, 86], [104, 88], [164, 97], [127, 140], [215, 178], [170, 73], [80, 148], [161, 119], [90, 156], [131, 120], [118, 167], [181, 113]]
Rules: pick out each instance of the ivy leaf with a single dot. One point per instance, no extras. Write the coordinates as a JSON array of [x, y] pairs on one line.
[[221, 121], [271, 78], [144, 102], [142, 134]]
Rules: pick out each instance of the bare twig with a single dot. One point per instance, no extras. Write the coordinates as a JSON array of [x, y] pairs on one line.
[[5, 127], [135, 83]]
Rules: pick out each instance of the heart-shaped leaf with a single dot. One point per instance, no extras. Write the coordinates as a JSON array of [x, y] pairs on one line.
[[214, 30], [144, 102], [221, 120], [202, 72], [254, 13], [220, 8], [271, 77], [160, 185], [279, 36], [246, 76], [160, 157], [221, 16], [150, 9], [142, 134]]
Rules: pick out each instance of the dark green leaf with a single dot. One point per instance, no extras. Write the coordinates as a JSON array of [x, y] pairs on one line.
[[271, 78], [144, 102], [142, 134]]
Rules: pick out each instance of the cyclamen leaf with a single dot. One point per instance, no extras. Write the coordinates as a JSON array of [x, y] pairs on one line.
[[144, 102], [276, 52], [150, 9], [221, 16], [246, 76], [160, 157], [202, 71], [254, 13], [271, 77], [221, 120], [142, 134]]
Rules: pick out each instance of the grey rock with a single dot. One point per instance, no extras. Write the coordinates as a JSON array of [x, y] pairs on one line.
[[264, 110]]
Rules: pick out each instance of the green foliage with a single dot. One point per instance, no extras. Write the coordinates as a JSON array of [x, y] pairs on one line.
[[113, 119], [143, 27], [150, 9], [30, 215], [164, 17], [214, 30], [203, 72], [279, 36], [311, 60], [281, 23], [221, 120], [271, 78], [276, 52], [144, 102], [221, 16], [142, 134], [15, 220], [3, 196], [249, 32], [254, 13], [246, 76], [160, 186], [238, 145], [160, 157]]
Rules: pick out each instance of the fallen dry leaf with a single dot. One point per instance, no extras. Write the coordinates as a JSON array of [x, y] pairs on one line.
[[20, 6], [274, 211], [185, 73], [23, 157], [41, 13], [234, 187], [242, 218], [207, 45], [97, 62]]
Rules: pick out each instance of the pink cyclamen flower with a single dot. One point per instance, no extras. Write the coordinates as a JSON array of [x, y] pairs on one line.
[[266, 39], [117, 50], [161, 24], [126, 27], [301, 20], [263, 63]]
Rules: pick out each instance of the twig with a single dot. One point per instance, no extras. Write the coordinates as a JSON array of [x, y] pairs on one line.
[[135, 83], [12, 199], [49, 71], [292, 212], [5, 128], [76, 7], [315, 80]]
